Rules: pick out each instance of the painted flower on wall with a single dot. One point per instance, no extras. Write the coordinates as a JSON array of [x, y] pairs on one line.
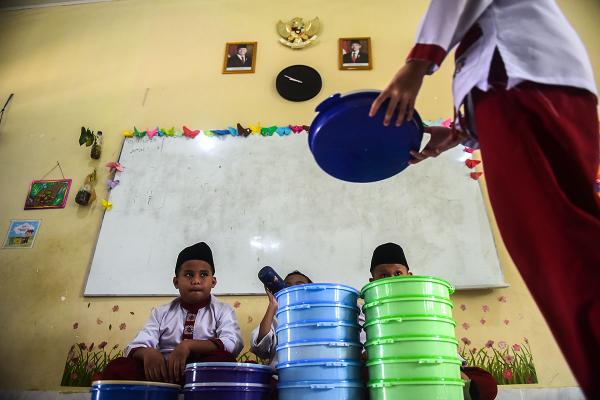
[[76, 325], [466, 340], [502, 299], [489, 344], [506, 322], [482, 321], [466, 325], [115, 308], [463, 307], [123, 326], [485, 308], [516, 347]]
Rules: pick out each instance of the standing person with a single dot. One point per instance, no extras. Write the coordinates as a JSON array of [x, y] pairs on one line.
[[526, 84]]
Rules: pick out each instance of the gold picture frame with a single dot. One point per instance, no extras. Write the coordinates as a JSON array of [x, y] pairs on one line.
[[359, 59], [238, 61]]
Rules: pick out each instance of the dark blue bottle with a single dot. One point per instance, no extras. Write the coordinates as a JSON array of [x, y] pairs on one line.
[[271, 279]]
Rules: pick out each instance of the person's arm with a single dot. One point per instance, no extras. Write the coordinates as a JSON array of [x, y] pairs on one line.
[[267, 321], [154, 363], [441, 29], [228, 330], [144, 347], [176, 362]]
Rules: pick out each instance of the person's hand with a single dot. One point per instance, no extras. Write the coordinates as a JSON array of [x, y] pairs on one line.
[[272, 300], [154, 365], [402, 92], [176, 361], [442, 139]]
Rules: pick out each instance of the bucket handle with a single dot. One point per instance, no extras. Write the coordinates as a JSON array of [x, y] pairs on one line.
[[327, 324], [337, 364], [388, 320], [322, 387], [299, 307], [430, 361]]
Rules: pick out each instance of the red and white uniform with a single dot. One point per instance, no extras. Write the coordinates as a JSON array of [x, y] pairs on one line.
[[534, 38], [529, 92]]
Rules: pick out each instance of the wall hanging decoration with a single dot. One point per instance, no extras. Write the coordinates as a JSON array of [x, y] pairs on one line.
[[240, 58], [48, 193], [89, 138], [87, 194], [355, 53], [297, 34], [21, 233]]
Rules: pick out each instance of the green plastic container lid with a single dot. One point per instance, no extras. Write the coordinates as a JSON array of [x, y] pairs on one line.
[[406, 318], [397, 299], [412, 359], [406, 278], [411, 338], [415, 381]]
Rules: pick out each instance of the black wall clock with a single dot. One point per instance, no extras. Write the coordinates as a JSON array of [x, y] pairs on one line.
[[298, 83]]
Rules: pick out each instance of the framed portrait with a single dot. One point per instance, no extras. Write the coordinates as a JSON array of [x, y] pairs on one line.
[[240, 58], [47, 194], [21, 233], [355, 53]]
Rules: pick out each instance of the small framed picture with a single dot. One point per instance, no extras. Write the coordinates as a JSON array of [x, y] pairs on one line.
[[240, 58], [21, 233], [48, 194], [355, 53]]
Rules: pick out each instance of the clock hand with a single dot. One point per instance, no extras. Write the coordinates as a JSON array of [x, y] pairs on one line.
[[293, 79]]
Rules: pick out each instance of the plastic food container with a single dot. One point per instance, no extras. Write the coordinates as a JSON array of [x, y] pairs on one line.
[[317, 312], [419, 368], [312, 390], [228, 372], [399, 326], [226, 391], [417, 347], [448, 389], [310, 350], [323, 330], [411, 305], [317, 293], [133, 390], [329, 370], [406, 286]]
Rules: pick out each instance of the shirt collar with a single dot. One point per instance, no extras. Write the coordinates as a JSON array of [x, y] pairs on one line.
[[193, 308]]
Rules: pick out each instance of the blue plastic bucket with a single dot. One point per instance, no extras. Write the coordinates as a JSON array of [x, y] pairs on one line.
[[310, 350], [133, 390], [226, 391], [228, 372], [317, 390], [317, 312], [323, 330], [328, 370], [317, 293]]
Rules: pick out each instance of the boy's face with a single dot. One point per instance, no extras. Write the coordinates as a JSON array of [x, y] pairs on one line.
[[387, 270], [194, 281], [295, 279]]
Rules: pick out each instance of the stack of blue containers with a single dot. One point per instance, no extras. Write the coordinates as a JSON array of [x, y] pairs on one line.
[[318, 343]]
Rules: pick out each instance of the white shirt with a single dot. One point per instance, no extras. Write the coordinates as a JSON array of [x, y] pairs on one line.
[[534, 38], [266, 348], [164, 327]]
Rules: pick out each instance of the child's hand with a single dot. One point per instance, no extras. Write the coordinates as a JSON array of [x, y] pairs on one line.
[[402, 92], [176, 361], [154, 365], [272, 299], [442, 139]]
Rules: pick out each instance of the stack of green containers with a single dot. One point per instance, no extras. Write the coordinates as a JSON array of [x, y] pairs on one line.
[[411, 348]]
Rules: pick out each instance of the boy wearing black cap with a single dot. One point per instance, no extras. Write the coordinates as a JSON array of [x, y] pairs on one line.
[[194, 327]]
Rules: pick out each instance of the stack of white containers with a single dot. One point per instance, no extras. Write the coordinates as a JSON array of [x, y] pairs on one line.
[[318, 343]]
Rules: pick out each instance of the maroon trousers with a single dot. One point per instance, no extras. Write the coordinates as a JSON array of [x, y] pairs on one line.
[[129, 369], [540, 147]]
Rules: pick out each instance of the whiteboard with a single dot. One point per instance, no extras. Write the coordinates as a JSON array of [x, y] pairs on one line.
[[264, 201]]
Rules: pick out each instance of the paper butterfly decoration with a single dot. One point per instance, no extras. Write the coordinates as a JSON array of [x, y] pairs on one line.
[[115, 166], [152, 132], [255, 129], [208, 133], [106, 204], [178, 133], [283, 130], [475, 175], [468, 150], [220, 132], [190, 133], [169, 132], [297, 128], [161, 132], [243, 131], [232, 131], [472, 163], [112, 184], [137, 133], [127, 133], [268, 131]]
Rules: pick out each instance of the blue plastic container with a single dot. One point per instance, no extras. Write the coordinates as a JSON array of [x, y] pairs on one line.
[[226, 391], [133, 390], [329, 370], [350, 145], [317, 312], [314, 390], [326, 349], [322, 330], [228, 372], [317, 293]]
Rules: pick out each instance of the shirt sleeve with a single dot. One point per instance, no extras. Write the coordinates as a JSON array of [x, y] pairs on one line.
[[264, 349], [361, 322], [228, 331], [148, 336], [442, 27]]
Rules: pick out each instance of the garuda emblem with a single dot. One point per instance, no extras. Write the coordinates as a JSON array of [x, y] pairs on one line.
[[298, 34]]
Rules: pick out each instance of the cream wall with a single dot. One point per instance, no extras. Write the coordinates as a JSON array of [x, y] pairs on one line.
[[92, 65]]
